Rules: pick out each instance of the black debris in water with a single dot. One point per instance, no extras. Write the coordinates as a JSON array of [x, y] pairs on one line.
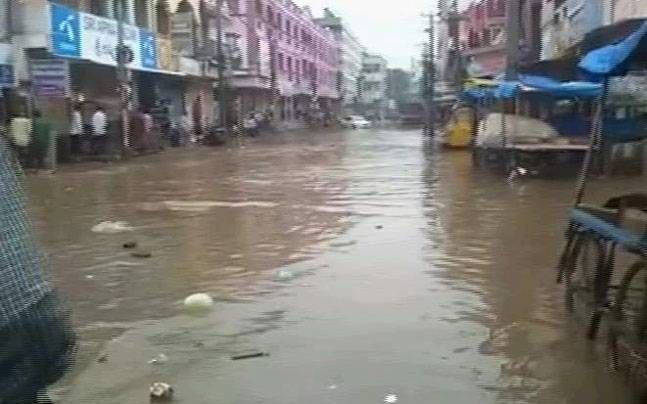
[[141, 254], [130, 245], [249, 356]]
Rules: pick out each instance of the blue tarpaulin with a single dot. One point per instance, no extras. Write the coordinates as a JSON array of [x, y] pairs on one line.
[[528, 83], [614, 59], [561, 89]]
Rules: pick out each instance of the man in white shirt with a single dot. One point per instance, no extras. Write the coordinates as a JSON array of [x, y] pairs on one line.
[[76, 130], [99, 130]]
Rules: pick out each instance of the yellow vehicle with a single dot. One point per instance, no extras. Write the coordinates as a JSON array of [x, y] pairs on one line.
[[460, 128]]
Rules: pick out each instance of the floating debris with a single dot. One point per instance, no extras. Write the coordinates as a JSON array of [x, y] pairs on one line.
[[141, 254], [198, 301], [130, 245], [103, 358], [161, 391], [379, 227], [391, 398], [284, 275], [249, 356], [161, 358], [112, 227]]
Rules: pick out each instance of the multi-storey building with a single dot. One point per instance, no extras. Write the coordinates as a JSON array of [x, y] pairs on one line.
[[350, 56], [291, 63], [374, 84], [65, 52]]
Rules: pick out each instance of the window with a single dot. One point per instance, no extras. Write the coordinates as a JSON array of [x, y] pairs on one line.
[[259, 8], [281, 65], [99, 7], [288, 27]]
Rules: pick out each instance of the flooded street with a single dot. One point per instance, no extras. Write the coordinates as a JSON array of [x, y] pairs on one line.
[[369, 266]]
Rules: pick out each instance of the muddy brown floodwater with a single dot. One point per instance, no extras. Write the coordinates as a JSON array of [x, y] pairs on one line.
[[369, 267]]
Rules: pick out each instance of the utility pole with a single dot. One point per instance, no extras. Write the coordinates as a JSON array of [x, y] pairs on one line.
[[430, 76], [123, 57], [222, 60], [512, 27]]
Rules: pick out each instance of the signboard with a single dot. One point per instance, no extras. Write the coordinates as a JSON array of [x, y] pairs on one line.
[[65, 31], [190, 66], [148, 49], [49, 78], [86, 36], [183, 33], [99, 40], [7, 76], [165, 59]]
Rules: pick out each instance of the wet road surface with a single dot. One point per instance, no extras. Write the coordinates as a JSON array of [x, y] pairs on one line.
[[370, 267]]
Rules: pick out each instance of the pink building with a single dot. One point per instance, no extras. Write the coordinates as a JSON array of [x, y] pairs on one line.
[[289, 63]]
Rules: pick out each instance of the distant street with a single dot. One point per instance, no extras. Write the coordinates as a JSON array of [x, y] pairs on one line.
[[368, 266]]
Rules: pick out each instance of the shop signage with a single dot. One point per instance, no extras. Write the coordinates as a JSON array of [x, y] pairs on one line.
[[7, 77], [190, 66], [183, 33], [165, 58], [49, 78], [65, 31], [86, 36]]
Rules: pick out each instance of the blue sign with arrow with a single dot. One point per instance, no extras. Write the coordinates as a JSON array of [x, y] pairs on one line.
[[65, 31]]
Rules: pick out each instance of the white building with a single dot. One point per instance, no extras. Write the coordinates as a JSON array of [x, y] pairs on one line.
[[350, 55], [374, 80]]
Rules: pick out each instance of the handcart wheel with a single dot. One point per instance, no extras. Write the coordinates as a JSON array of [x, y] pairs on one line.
[[628, 325], [587, 256]]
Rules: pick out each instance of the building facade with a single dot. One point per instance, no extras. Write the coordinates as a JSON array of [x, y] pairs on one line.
[[61, 48], [350, 57], [290, 64], [374, 86]]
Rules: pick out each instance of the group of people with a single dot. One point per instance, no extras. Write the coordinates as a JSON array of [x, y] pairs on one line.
[[94, 132]]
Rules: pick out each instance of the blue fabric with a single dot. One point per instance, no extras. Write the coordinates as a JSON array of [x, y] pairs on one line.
[[612, 60], [561, 89], [507, 90], [608, 231]]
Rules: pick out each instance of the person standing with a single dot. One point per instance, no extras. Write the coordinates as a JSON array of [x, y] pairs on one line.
[[99, 130], [41, 140], [76, 130], [251, 126]]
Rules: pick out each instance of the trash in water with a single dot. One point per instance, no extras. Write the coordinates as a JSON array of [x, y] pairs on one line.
[[249, 356], [130, 245], [112, 227], [161, 391], [391, 398], [141, 254], [284, 275], [379, 227], [161, 358], [89, 276], [198, 301], [103, 358], [332, 387]]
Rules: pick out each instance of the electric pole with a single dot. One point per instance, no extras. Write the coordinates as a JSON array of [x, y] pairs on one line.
[[222, 60], [123, 57], [512, 27], [430, 76]]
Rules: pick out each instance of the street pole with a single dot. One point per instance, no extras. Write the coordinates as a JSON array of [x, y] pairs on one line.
[[122, 77], [222, 90], [430, 69], [513, 26]]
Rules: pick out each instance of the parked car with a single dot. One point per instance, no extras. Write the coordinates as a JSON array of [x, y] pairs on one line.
[[355, 122]]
